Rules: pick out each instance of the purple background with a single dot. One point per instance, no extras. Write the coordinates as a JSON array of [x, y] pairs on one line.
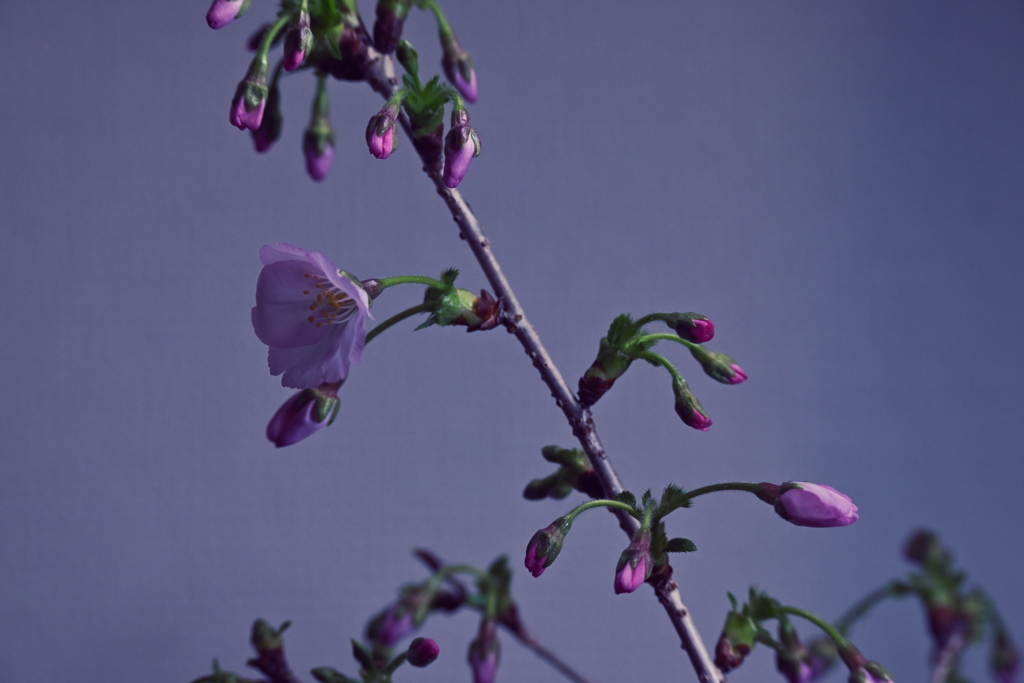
[[838, 185]]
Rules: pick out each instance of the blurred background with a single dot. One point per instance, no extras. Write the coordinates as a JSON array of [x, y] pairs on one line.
[[837, 185]]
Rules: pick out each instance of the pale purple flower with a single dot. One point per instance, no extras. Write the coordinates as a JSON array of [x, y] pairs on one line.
[[382, 132], [422, 652], [223, 12], [318, 161], [460, 146], [311, 316], [815, 505]]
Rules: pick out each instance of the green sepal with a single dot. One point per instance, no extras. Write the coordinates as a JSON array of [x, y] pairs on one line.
[[680, 545], [673, 498], [431, 320]]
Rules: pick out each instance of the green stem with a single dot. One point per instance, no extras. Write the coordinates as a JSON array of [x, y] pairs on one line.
[[272, 33], [439, 577], [442, 22], [650, 318], [658, 359], [411, 280], [667, 336], [599, 503], [840, 640], [861, 607], [727, 486], [397, 318]]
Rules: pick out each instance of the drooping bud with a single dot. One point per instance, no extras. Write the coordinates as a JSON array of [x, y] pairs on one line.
[[545, 545], [458, 65], [692, 327], [738, 638], [688, 407], [382, 132], [485, 653], [223, 12], [718, 366], [815, 505], [304, 414], [422, 652], [461, 145], [298, 42], [387, 30], [635, 563], [923, 548], [264, 137], [251, 96], [1005, 659], [318, 141], [393, 624]]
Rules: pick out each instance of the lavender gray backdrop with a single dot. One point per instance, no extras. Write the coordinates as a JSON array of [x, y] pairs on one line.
[[838, 185]]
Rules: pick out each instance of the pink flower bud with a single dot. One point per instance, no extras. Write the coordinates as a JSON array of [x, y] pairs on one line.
[[458, 67], [298, 42], [872, 672], [382, 132], [545, 546], [635, 564], [251, 96], [460, 146], [304, 414], [319, 155], [422, 652], [692, 327], [223, 12], [689, 409], [815, 505], [485, 653]]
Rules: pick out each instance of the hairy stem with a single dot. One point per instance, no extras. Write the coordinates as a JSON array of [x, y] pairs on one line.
[[379, 72]]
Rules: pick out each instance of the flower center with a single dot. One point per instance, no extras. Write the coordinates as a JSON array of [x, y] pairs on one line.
[[332, 305]]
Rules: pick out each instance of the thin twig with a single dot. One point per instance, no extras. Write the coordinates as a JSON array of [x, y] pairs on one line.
[[379, 71], [945, 659], [527, 638]]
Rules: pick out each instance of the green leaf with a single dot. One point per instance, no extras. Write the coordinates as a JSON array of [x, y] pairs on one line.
[[449, 276], [680, 545], [673, 498], [622, 330]]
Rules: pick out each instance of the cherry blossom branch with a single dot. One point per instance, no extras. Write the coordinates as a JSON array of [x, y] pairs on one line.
[[379, 72]]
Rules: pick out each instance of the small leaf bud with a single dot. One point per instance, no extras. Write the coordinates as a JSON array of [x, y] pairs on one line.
[[422, 652]]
